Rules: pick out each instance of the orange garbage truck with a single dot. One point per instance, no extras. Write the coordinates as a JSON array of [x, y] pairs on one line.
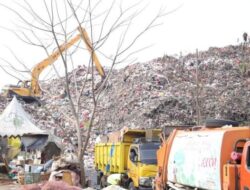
[[212, 158]]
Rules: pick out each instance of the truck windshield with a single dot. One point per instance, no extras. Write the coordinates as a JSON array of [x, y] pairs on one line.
[[148, 153]]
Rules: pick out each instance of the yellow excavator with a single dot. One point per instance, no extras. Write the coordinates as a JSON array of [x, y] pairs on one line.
[[30, 91]]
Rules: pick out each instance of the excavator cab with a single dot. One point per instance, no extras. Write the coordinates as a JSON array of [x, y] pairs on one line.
[[24, 84], [22, 91]]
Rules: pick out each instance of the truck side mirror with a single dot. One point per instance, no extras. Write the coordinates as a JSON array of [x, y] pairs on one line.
[[131, 157]]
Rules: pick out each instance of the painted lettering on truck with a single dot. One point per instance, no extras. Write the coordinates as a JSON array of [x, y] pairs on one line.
[[208, 162]]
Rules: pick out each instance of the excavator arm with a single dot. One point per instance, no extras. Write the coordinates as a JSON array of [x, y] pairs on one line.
[[91, 50], [29, 93], [53, 57], [35, 88]]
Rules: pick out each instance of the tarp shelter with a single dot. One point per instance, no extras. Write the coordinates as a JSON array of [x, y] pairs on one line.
[[52, 146], [14, 121]]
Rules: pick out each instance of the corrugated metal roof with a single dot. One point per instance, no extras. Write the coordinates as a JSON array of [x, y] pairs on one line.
[[14, 121]]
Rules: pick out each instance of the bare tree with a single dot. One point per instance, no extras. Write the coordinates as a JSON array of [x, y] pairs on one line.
[[57, 23]]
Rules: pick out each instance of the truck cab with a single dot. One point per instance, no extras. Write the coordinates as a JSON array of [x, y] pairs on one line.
[[142, 164], [127, 158], [236, 173]]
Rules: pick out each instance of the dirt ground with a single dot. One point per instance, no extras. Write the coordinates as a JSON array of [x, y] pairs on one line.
[[6, 184]]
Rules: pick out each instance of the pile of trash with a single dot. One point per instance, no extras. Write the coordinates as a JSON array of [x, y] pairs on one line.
[[168, 91], [162, 92], [61, 172]]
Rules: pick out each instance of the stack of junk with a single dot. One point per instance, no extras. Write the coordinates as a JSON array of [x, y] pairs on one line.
[[30, 155]]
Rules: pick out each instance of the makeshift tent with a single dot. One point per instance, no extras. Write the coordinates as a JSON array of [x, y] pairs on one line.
[[14, 121]]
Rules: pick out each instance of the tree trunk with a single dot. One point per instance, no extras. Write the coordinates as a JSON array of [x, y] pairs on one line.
[[82, 172]]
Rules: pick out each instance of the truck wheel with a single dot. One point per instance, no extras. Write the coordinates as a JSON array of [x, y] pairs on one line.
[[213, 123], [131, 186]]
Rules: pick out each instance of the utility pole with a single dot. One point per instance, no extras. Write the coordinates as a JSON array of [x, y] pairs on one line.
[[197, 89]]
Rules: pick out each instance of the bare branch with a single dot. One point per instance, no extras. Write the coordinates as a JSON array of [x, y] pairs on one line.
[[23, 19], [33, 13], [148, 27], [19, 61], [14, 68], [2, 67]]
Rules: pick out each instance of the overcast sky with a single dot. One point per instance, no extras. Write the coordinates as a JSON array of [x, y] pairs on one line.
[[195, 24]]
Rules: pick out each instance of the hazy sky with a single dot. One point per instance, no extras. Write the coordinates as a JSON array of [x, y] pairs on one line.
[[195, 24]]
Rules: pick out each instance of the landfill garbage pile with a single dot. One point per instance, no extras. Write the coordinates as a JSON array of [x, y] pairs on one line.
[[164, 91], [169, 91]]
